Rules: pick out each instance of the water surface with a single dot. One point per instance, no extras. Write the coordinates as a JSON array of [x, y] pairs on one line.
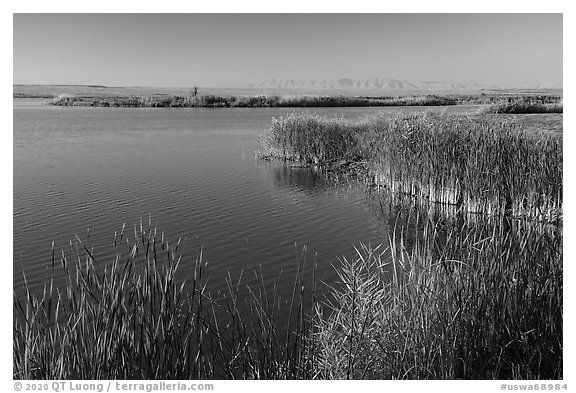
[[192, 171]]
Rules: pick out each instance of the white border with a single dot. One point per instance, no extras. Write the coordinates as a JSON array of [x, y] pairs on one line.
[[299, 6]]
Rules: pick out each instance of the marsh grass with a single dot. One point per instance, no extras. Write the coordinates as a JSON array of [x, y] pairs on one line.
[[259, 334], [479, 164], [160, 101], [463, 302], [444, 298], [309, 138], [496, 104], [138, 318], [126, 320], [215, 101], [524, 106]]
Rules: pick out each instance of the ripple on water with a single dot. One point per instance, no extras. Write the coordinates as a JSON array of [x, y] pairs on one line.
[[193, 172]]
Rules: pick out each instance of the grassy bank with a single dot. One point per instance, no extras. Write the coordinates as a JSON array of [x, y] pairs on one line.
[[525, 106], [478, 164], [214, 101], [497, 103], [461, 300]]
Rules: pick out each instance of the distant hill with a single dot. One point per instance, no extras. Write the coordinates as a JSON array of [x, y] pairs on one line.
[[365, 83], [289, 88], [383, 84]]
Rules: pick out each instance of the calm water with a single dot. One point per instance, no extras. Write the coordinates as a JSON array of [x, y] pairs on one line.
[[193, 172]]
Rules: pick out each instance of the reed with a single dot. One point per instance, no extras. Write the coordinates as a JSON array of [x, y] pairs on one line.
[[215, 101], [161, 101], [478, 164], [126, 320], [463, 301], [345, 101], [312, 139], [447, 298], [138, 318], [524, 106], [497, 104], [259, 335]]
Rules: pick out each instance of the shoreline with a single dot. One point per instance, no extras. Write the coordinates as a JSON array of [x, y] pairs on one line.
[[278, 101]]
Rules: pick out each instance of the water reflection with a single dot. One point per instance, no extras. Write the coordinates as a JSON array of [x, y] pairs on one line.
[[308, 180]]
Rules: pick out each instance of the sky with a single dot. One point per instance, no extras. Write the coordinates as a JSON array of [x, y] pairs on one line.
[[226, 50]]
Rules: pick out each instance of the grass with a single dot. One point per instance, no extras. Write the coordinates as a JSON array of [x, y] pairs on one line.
[[126, 101], [464, 301], [128, 320], [138, 318], [496, 103], [310, 138], [445, 299], [478, 164], [524, 106], [215, 101]]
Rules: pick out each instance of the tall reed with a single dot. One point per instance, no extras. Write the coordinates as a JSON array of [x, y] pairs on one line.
[[128, 319], [527, 105], [262, 101], [447, 298], [464, 301], [479, 164], [311, 138], [139, 318]]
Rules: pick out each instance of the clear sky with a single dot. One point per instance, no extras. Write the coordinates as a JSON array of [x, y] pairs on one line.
[[233, 49]]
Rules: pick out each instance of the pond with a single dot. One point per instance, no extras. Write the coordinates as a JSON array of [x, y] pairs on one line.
[[192, 172]]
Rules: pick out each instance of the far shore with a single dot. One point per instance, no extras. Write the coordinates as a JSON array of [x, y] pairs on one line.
[[262, 101], [102, 96]]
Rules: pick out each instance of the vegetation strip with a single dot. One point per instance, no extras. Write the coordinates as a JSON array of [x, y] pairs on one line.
[[498, 103], [213, 101], [478, 164]]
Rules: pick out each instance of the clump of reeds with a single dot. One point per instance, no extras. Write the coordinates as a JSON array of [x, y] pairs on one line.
[[312, 139], [524, 106], [261, 101], [160, 101], [479, 164], [129, 319], [464, 301], [138, 318]]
